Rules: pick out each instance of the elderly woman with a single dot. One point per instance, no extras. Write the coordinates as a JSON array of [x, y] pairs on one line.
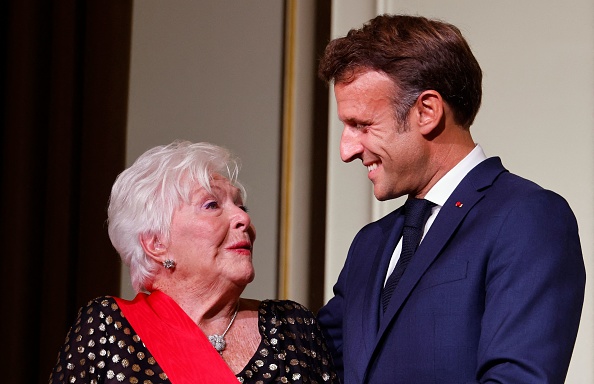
[[177, 217]]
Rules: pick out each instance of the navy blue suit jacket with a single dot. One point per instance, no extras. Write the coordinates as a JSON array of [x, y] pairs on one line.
[[493, 294]]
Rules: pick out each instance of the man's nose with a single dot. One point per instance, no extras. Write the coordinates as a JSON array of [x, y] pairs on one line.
[[350, 145]]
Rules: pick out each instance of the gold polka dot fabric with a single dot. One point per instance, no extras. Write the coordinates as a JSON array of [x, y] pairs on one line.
[[102, 347], [292, 349]]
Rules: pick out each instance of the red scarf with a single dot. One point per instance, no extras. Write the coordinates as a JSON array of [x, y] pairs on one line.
[[177, 343]]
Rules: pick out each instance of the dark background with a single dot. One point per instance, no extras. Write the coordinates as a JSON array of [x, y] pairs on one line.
[[64, 82]]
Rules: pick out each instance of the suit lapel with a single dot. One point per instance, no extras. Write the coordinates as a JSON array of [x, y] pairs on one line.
[[469, 192], [440, 232], [392, 230]]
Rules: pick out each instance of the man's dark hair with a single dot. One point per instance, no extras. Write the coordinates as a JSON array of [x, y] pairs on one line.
[[418, 54]]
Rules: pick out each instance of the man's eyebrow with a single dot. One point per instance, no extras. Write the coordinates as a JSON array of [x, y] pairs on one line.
[[356, 121]]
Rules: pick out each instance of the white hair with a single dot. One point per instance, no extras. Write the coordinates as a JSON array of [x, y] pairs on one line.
[[144, 197]]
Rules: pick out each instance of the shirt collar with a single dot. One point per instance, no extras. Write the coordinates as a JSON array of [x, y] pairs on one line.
[[445, 186]]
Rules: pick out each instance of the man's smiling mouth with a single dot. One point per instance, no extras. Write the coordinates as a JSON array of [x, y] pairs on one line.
[[372, 167]]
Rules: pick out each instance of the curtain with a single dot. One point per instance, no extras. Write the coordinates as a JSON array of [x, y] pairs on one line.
[[64, 86]]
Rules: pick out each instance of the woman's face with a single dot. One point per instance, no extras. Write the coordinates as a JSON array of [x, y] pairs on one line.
[[211, 238]]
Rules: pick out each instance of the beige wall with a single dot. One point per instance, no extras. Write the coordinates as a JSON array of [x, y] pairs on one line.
[[538, 63], [212, 71]]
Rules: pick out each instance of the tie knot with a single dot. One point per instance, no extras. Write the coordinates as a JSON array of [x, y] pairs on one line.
[[416, 212]]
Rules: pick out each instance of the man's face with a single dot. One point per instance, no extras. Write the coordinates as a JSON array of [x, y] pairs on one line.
[[396, 158]]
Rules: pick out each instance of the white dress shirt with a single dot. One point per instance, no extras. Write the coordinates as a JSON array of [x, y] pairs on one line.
[[439, 194]]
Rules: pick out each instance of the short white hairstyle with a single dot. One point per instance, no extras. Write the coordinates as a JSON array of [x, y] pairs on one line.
[[145, 196]]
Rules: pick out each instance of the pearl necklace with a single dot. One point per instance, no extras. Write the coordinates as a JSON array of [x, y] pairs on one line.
[[218, 341]]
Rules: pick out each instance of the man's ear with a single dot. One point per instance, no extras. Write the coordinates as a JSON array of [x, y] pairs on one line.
[[429, 112], [152, 246]]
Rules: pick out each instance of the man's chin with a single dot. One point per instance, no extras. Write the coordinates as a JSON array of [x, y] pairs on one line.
[[383, 195], [381, 198]]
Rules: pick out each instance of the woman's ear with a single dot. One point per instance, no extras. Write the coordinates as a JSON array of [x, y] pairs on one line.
[[153, 247], [429, 112]]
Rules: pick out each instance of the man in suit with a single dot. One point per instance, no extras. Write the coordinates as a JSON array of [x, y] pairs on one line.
[[494, 291]]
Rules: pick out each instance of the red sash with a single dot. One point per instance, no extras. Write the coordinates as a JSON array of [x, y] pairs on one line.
[[177, 343]]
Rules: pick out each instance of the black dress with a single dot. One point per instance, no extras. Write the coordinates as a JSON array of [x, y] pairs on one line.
[[102, 347]]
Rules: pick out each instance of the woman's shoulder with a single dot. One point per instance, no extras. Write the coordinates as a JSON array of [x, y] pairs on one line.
[[103, 307], [284, 305], [287, 311], [107, 302]]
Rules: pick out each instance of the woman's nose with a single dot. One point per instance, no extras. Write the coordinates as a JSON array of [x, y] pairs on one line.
[[241, 218], [243, 221]]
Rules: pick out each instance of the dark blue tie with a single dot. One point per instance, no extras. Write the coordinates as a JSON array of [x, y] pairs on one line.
[[416, 213]]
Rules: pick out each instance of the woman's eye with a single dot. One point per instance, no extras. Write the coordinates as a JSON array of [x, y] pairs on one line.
[[244, 208], [211, 205]]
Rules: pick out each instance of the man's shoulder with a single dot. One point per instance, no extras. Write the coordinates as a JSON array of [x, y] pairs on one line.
[[508, 190], [491, 174]]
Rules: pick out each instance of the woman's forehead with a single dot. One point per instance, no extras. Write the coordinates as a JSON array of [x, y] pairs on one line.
[[219, 185]]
